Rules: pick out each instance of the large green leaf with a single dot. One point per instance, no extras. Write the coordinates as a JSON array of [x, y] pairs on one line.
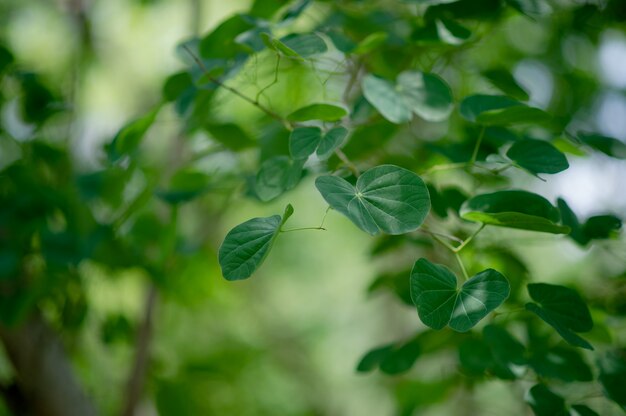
[[514, 209], [544, 402], [439, 302], [246, 246], [303, 141], [277, 175], [386, 199], [563, 309], [320, 111], [537, 156], [426, 95]]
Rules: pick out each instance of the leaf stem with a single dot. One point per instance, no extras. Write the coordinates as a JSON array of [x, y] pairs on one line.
[[461, 265], [348, 163], [238, 93], [469, 239], [477, 146], [442, 242], [433, 233], [303, 228]]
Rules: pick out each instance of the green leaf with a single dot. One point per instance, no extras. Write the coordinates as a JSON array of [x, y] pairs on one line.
[[503, 80], [184, 186], [324, 112], [565, 364], [386, 199], [305, 44], [129, 137], [473, 106], [401, 358], [514, 209], [427, 95], [373, 358], [303, 141], [370, 43], [441, 31], [537, 156], [231, 136], [246, 246], [607, 145], [383, 95], [331, 141], [514, 115], [505, 349], [612, 366], [277, 175], [563, 309], [601, 226], [544, 402], [531, 8], [439, 302], [221, 42]]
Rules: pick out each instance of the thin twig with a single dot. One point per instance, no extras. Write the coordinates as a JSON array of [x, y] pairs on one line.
[[238, 93]]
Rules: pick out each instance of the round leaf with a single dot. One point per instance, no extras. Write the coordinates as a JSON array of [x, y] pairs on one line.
[[386, 199], [439, 302]]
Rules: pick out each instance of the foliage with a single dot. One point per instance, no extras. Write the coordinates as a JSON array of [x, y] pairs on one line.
[[420, 138]]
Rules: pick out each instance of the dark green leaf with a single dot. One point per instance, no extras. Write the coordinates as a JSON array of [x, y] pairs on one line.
[[427, 95], [303, 141], [582, 410], [221, 43], [246, 246], [324, 112], [373, 358], [514, 115], [601, 226], [401, 358], [129, 137], [278, 175], [607, 145], [185, 185], [544, 402], [613, 375], [370, 43], [384, 96], [331, 141], [503, 80], [386, 199], [537, 156], [563, 309], [473, 106], [562, 363], [231, 136], [439, 302], [514, 209]]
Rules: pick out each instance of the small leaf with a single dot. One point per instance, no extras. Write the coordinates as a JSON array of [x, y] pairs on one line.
[[231, 136], [607, 145], [427, 95], [601, 226], [503, 80], [185, 185], [303, 141], [514, 115], [537, 156], [370, 43], [373, 358], [221, 43], [386, 199], [277, 175], [563, 309], [383, 95], [401, 358], [565, 364], [582, 410], [246, 246], [544, 402], [305, 44], [331, 141], [514, 209], [129, 137], [324, 112], [473, 106], [439, 302]]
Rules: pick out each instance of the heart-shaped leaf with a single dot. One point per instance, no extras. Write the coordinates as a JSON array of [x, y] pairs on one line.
[[563, 309], [386, 199], [246, 246], [320, 111], [303, 141], [439, 302], [277, 175], [426, 95], [514, 209], [537, 156]]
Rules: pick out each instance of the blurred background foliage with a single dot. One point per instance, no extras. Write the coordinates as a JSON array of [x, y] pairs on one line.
[[122, 167]]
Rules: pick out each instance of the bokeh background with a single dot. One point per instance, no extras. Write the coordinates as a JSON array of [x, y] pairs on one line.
[[288, 340]]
